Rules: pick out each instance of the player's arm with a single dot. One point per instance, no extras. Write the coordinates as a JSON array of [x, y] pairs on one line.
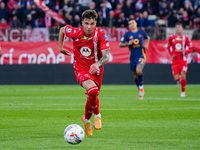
[[188, 48], [61, 41], [104, 59], [169, 47], [147, 40], [125, 44]]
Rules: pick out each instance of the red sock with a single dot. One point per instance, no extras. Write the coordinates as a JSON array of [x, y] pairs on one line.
[[93, 99], [88, 110], [183, 84]]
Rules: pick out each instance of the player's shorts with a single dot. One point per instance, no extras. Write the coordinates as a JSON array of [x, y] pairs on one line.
[[136, 61], [84, 75], [177, 67]]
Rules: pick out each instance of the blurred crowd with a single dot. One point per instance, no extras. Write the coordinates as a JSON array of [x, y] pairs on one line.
[[112, 13]]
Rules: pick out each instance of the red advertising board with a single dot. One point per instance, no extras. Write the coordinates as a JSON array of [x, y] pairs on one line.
[[48, 53]]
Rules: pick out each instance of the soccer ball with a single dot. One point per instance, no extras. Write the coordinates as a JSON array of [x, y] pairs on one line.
[[74, 134]]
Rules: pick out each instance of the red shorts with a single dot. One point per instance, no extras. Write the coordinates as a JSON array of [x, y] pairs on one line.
[[84, 75], [178, 67]]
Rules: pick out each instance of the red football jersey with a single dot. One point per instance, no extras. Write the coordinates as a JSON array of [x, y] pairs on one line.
[[85, 51], [178, 44]]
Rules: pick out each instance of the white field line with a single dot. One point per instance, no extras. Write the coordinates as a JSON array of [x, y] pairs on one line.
[[108, 109], [84, 97]]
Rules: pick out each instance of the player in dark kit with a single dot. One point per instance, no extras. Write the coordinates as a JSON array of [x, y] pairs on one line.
[[134, 39]]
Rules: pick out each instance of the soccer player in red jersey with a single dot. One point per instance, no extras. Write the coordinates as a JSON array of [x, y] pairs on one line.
[[179, 45], [91, 52]]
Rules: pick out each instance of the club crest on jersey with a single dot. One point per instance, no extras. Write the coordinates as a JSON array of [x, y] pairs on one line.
[[85, 51]]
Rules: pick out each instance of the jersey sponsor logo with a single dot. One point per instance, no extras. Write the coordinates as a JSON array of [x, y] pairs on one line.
[[178, 47], [86, 38], [85, 51], [69, 30], [178, 39], [107, 44], [131, 37], [140, 35]]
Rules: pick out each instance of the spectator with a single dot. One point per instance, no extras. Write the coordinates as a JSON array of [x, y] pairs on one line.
[[85, 4], [139, 6], [30, 23], [108, 4], [118, 10], [16, 23], [93, 6], [26, 12], [100, 18], [145, 22], [10, 4], [112, 20], [193, 57], [164, 10], [3, 24], [69, 19], [121, 20], [77, 21], [189, 9], [47, 21], [128, 8], [196, 23], [35, 13], [4, 13], [150, 9], [171, 19], [105, 14], [186, 20], [179, 15]]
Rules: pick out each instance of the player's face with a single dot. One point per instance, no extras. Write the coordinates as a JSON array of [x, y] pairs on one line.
[[88, 26], [179, 29], [132, 24]]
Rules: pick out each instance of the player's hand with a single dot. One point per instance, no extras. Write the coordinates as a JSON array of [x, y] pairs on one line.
[[65, 52], [93, 68], [145, 47], [130, 42]]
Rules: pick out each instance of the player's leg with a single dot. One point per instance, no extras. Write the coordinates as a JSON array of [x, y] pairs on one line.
[[82, 76], [136, 79], [93, 92], [139, 70], [183, 78], [176, 73], [183, 83]]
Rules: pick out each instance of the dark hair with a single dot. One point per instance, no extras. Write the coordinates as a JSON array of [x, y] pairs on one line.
[[130, 19], [89, 14], [179, 23]]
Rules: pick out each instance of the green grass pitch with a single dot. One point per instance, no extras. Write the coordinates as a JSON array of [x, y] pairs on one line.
[[35, 116]]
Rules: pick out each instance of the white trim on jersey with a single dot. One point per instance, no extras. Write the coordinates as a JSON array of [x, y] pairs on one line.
[[184, 58], [95, 40]]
